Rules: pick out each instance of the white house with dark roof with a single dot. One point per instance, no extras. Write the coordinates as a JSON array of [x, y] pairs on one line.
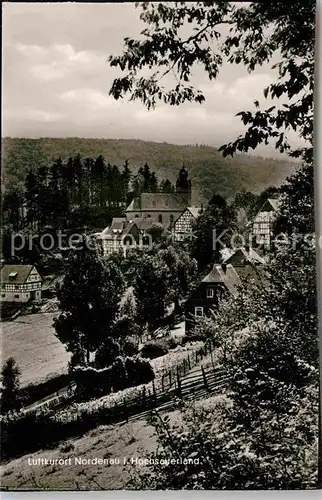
[[164, 208], [20, 283], [184, 223], [124, 234], [262, 228]]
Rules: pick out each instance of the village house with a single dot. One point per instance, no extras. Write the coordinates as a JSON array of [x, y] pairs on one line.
[[124, 234], [262, 228], [164, 208], [223, 280], [184, 224], [20, 283]]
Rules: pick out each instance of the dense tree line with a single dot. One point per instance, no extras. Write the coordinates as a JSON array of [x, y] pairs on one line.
[[76, 192]]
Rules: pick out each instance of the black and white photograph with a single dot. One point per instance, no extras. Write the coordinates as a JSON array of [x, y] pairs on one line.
[[159, 243]]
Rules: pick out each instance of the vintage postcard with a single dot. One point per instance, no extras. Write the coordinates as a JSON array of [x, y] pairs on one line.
[[159, 300]]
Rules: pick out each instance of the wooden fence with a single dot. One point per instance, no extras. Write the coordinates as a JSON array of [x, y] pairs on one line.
[[186, 381]]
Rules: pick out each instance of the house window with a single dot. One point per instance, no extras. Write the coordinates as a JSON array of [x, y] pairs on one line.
[[210, 293], [3, 295], [160, 218], [199, 312], [17, 296], [171, 219]]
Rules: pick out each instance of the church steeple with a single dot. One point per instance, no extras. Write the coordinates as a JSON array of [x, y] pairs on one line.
[[183, 186]]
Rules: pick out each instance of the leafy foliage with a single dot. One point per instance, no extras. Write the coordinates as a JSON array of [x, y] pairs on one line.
[[257, 33], [122, 373], [215, 224], [151, 289], [10, 385], [88, 300], [206, 166]]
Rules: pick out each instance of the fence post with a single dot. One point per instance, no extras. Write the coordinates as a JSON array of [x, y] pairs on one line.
[[170, 381], [143, 396], [212, 360], [162, 382], [189, 363], [179, 385], [204, 379], [125, 410], [154, 393]]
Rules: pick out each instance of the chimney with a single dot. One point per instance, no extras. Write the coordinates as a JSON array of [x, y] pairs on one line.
[[224, 267]]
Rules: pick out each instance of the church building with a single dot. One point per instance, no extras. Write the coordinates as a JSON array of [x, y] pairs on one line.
[[164, 208]]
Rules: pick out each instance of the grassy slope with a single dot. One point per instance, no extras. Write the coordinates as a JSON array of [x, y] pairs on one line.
[[31, 341], [134, 439], [209, 171]]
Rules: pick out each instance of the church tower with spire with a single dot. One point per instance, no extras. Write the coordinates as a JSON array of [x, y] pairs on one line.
[[183, 186]]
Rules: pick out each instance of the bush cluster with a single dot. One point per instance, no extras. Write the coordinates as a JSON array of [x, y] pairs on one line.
[[159, 347], [124, 372], [35, 392]]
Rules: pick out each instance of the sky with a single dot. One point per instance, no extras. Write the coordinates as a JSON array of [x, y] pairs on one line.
[[56, 81]]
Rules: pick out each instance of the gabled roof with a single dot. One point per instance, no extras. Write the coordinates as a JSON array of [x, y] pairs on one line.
[[120, 225], [15, 273], [270, 205], [226, 276], [195, 211], [143, 223], [156, 202], [241, 257], [251, 273], [231, 277], [119, 228], [275, 202]]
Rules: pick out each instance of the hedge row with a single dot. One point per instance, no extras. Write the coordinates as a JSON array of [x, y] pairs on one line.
[[123, 373]]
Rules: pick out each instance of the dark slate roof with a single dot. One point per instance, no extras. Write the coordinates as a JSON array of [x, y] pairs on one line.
[[233, 276], [251, 273], [121, 226], [241, 256], [149, 202], [226, 275], [143, 223], [19, 273]]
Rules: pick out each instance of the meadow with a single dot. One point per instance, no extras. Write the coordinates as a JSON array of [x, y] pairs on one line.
[[31, 341]]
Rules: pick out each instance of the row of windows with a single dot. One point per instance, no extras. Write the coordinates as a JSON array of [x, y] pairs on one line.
[[183, 226], [160, 218], [27, 287]]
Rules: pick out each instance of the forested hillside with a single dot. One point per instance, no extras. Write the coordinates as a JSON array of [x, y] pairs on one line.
[[209, 171]]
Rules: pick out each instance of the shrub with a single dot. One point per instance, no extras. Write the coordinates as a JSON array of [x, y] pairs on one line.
[[124, 372], [34, 392], [77, 358], [139, 371], [153, 350], [107, 353], [10, 379], [130, 346]]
